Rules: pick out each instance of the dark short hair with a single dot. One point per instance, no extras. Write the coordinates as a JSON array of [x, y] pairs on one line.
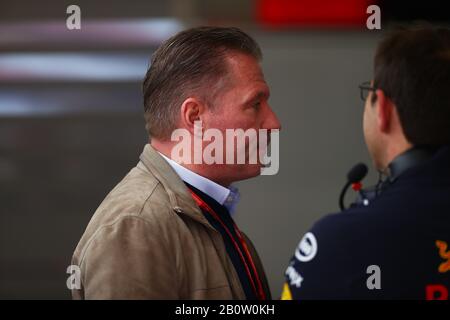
[[191, 63], [412, 67]]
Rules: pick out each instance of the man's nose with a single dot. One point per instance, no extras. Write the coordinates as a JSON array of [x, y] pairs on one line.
[[271, 120]]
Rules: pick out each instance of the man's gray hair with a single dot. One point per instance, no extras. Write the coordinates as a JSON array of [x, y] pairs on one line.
[[191, 63]]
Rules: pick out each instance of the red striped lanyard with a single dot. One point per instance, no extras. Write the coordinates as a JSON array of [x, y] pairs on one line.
[[257, 288]]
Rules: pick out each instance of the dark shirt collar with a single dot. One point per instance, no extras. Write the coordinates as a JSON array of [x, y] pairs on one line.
[[409, 159]]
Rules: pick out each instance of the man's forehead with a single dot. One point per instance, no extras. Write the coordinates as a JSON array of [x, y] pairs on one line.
[[245, 65]]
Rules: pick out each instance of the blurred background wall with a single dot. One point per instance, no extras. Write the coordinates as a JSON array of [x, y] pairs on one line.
[[71, 123]]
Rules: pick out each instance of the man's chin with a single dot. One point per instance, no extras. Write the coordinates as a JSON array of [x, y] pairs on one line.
[[238, 172], [248, 171]]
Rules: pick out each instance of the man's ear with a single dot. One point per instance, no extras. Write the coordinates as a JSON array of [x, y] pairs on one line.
[[191, 110], [385, 110]]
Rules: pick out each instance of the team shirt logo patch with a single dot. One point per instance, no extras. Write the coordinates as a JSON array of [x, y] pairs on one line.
[[442, 246], [307, 249]]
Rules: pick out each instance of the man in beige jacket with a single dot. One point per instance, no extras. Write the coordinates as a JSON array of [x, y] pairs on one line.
[[165, 231]]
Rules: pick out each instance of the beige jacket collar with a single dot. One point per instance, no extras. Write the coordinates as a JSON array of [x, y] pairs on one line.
[[179, 196]]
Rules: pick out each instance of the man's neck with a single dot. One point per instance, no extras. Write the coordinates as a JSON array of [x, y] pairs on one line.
[[227, 196], [203, 170]]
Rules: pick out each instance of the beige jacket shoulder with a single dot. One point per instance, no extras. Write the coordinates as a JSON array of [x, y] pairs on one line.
[[149, 240]]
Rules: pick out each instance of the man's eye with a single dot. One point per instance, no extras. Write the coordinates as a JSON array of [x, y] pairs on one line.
[[257, 104]]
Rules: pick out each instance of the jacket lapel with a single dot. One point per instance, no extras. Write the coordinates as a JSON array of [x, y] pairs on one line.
[[179, 195]]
